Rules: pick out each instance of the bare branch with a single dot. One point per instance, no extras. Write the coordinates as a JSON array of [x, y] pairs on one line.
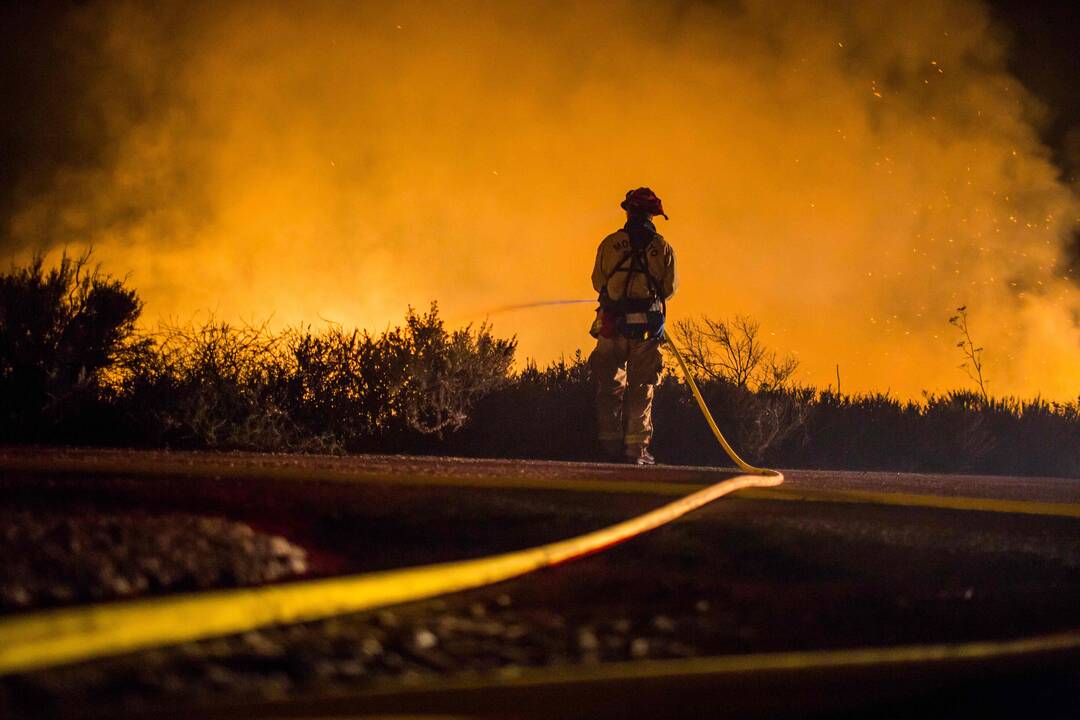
[[972, 365], [733, 351]]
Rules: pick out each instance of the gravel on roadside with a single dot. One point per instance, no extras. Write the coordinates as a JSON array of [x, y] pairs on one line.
[[58, 559]]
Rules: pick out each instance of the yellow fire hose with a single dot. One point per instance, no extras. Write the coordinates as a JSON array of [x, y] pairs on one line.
[[54, 637], [689, 377]]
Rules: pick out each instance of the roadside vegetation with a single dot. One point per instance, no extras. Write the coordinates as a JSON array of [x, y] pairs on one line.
[[75, 368]]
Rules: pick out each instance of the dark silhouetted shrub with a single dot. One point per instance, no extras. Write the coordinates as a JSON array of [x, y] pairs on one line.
[[221, 386], [73, 368], [65, 334]]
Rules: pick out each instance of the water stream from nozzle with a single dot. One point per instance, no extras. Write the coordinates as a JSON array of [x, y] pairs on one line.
[[542, 303], [525, 306]]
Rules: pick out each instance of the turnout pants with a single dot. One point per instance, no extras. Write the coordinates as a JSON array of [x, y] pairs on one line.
[[625, 373]]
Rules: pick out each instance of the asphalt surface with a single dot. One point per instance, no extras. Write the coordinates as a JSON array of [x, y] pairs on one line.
[[1002, 487], [739, 576]]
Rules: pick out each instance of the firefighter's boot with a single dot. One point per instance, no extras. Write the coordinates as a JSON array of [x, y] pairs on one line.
[[639, 455]]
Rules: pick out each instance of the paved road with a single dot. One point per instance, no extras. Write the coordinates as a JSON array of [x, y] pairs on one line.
[[521, 473], [1056, 490], [742, 576]]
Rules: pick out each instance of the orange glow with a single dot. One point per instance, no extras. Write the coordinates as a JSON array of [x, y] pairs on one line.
[[847, 175]]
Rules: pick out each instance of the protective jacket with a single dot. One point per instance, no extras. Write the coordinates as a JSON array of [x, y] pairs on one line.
[[634, 274], [660, 259]]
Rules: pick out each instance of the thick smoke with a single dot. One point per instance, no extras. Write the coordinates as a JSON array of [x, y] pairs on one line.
[[847, 173]]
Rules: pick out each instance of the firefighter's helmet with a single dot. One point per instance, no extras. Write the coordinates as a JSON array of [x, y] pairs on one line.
[[643, 200]]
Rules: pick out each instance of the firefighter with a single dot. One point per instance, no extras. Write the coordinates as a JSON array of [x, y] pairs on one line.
[[634, 275]]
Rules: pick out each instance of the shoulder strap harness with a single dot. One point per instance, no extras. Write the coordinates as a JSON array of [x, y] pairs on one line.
[[635, 261]]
